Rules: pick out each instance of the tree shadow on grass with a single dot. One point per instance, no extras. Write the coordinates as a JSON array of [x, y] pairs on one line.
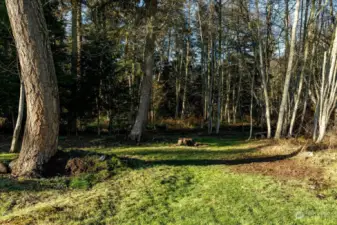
[[139, 163], [190, 152], [8, 184], [185, 154]]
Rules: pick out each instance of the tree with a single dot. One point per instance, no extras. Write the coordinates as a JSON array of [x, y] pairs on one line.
[[38, 75], [220, 72], [263, 73], [145, 96], [187, 62], [307, 47], [16, 135], [285, 94], [76, 48], [327, 94]]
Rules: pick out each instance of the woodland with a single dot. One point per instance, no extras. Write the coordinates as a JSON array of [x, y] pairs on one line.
[[168, 112]]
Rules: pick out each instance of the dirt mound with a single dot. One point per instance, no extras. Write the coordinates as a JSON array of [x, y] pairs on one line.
[[76, 162], [76, 166], [284, 169]]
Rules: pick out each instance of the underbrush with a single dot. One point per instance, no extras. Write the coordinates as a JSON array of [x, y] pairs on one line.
[[187, 123]]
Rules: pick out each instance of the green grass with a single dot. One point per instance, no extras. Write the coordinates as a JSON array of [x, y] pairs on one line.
[[167, 193]]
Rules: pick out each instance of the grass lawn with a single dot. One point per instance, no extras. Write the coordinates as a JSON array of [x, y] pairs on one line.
[[167, 184]]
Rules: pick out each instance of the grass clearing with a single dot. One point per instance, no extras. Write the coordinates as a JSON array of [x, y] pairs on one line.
[[168, 184]]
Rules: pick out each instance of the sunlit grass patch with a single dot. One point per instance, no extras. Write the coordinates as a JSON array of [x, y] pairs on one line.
[[166, 193]]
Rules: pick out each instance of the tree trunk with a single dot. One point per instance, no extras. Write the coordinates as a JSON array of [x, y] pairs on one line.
[[178, 85], [98, 116], [211, 82], [288, 74], [38, 75], [16, 135], [263, 76], [203, 77], [307, 46], [251, 106], [145, 96], [76, 23], [326, 101], [286, 30], [228, 91], [220, 74], [237, 101], [131, 83], [187, 64], [335, 120]]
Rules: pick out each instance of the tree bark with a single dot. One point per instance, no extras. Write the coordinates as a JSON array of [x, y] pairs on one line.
[[251, 106], [326, 101], [131, 79], [288, 74], [220, 74], [210, 87], [76, 45], [145, 96], [38, 75], [76, 38], [307, 46], [203, 76], [187, 64], [263, 75], [178, 85], [16, 135]]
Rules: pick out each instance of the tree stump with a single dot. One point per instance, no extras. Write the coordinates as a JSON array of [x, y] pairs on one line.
[[186, 142]]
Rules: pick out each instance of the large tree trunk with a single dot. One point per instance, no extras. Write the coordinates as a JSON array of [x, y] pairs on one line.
[[38, 74], [288, 74], [16, 135], [145, 96]]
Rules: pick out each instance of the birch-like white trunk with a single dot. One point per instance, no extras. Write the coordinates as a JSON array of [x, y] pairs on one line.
[[285, 93], [326, 102], [307, 46]]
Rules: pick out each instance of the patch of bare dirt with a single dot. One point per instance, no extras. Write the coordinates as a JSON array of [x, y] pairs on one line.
[[284, 169], [76, 166]]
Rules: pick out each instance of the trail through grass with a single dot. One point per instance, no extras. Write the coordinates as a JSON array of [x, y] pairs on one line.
[[181, 193]]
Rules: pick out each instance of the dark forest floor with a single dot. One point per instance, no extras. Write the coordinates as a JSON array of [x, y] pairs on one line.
[[224, 180]]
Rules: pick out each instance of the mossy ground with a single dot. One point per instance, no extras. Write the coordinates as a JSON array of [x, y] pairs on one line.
[[167, 184]]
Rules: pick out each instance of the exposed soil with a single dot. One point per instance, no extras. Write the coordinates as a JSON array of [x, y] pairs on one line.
[[284, 169], [76, 166], [76, 162]]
